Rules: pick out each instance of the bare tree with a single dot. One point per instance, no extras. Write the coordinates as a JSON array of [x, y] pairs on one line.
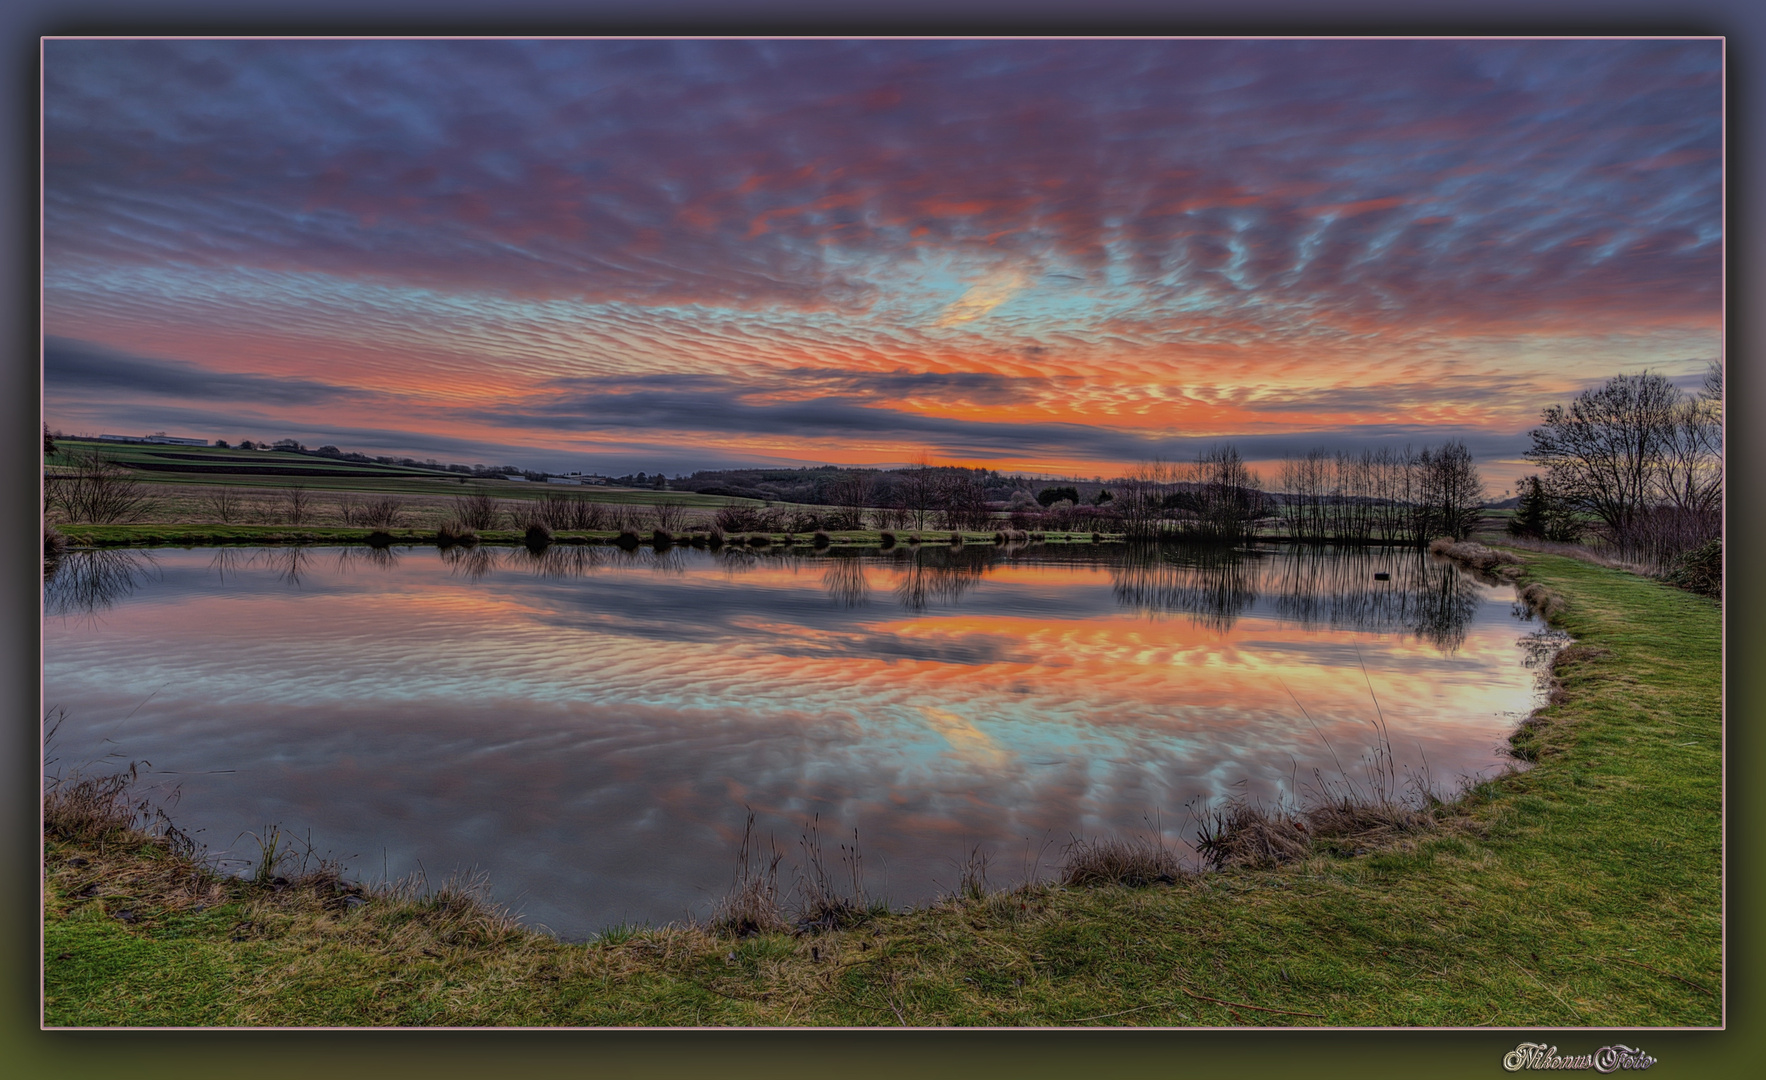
[[852, 494], [297, 504], [1690, 478], [1140, 499], [964, 501], [670, 514], [96, 490], [477, 511], [1453, 493], [919, 493], [224, 504], [1228, 496], [1604, 451], [383, 512]]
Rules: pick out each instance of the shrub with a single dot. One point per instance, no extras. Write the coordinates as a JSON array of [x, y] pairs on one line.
[[478, 511], [96, 490], [383, 512], [1700, 570]]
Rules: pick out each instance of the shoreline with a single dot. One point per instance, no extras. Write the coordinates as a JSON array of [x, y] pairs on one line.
[[1322, 938]]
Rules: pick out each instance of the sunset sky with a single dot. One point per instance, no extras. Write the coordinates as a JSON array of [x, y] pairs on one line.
[[1060, 257]]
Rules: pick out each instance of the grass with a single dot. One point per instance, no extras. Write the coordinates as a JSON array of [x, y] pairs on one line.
[[1585, 890]]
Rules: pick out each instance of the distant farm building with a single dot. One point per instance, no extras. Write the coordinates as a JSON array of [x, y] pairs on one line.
[[156, 437]]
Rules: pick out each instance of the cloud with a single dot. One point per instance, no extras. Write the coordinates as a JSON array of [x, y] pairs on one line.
[[72, 367], [1025, 251], [1432, 174], [983, 296]]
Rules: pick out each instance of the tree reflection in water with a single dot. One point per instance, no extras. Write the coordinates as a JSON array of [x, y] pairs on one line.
[[380, 557], [845, 581], [1315, 587], [1335, 587], [289, 564], [938, 575], [1213, 585], [87, 582], [472, 562]]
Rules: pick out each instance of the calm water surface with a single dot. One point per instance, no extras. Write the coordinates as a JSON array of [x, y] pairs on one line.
[[587, 725]]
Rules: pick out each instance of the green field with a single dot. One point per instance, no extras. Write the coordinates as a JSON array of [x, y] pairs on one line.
[[179, 484], [1583, 891]]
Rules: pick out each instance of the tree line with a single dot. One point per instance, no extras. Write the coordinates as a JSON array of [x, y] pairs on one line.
[[1636, 461]]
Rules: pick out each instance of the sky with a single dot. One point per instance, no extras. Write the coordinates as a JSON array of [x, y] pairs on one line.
[[1052, 257]]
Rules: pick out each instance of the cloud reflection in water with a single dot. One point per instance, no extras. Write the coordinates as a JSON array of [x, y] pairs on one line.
[[586, 723]]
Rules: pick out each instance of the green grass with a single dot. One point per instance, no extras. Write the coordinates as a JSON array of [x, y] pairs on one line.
[[1584, 891]]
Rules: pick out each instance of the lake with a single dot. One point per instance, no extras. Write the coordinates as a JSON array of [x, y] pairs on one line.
[[588, 726]]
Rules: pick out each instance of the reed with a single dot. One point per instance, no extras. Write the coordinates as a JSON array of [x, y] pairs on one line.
[[752, 906]]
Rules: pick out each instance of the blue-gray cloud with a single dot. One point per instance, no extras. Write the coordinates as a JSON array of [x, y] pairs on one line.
[[1360, 179]]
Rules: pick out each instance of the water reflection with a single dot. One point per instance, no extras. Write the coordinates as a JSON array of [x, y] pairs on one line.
[[1212, 585], [938, 574], [1373, 589], [587, 723], [382, 557], [88, 582], [845, 581], [471, 563]]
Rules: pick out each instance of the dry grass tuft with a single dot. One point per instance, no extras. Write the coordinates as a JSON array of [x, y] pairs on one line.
[[54, 543], [1242, 834], [454, 531], [1135, 862], [1249, 836], [752, 905], [1541, 599], [91, 809], [1472, 554], [822, 903]]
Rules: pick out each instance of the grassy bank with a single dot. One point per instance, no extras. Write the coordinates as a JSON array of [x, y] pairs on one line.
[[1583, 891]]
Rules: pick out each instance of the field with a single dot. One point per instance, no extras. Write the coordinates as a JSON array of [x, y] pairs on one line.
[[1584, 890]]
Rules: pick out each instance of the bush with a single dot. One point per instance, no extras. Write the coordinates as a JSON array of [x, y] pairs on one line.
[[478, 511], [384, 512], [1700, 571], [96, 490]]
